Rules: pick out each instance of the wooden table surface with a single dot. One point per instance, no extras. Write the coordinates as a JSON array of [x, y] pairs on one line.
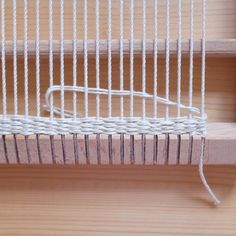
[[128, 200]]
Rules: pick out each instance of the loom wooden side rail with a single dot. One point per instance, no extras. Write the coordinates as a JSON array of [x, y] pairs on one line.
[[220, 148], [220, 47]]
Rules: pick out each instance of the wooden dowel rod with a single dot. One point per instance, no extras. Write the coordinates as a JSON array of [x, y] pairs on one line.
[[213, 47]]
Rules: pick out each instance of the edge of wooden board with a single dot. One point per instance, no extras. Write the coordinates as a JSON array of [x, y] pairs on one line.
[[162, 149], [214, 47]]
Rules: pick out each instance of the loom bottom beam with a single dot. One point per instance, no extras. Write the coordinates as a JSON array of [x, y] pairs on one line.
[[161, 149]]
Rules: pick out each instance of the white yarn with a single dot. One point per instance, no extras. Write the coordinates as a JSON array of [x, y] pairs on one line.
[[37, 13], [131, 58], [121, 58], [44, 125], [62, 79], [15, 59], [109, 62], [101, 91], [203, 57], [191, 55], [51, 52], [86, 58], [26, 58], [97, 60], [74, 56], [179, 56], [202, 109], [167, 55], [144, 59], [4, 87], [202, 176], [155, 59]]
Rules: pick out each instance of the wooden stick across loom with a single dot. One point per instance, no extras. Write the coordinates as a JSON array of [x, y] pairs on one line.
[[224, 47], [220, 148]]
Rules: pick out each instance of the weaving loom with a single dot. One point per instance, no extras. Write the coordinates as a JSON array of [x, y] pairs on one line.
[[106, 82]]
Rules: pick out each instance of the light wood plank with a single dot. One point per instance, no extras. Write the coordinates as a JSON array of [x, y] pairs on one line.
[[220, 148], [118, 201]]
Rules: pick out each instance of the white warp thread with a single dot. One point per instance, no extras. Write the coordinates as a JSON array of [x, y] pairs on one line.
[[131, 58], [191, 56], [155, 59], [179, 57], [15, 60], [37, 13], [86, 58], [4, 87], [74, 57], [109, 62], [121, 58], [62, 79], [144, 59], [26, 79], [51, 52], [167, 55], [97, 60]]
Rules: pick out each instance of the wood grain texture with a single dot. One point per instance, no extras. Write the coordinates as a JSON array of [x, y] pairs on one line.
[[220, 19], [168, 201]]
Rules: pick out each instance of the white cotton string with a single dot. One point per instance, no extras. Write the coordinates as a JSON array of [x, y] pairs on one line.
[[201, 173], [203, 57], [121, 58], [51, 52], [74, 56], [144, 60], [97, 60], [26, 84], [191, 56], [109, 62], [86, 58], [15, 59], [202, 109], [155, 60], [131, 58], [101, 91], [179, 57], [62, 57], [167, 55], [37, 13], [4, 86]]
